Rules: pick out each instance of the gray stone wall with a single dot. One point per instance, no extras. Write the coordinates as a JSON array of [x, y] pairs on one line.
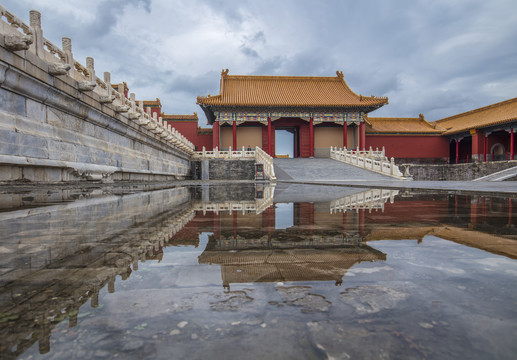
[[453, 172], [52, 132], [232, 169], [221, 169]]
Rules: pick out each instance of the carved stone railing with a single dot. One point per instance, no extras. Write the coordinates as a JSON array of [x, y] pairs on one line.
[[368, 200], [263, 158], [260, 156], [370, 160], [22, 37], [225, 154]]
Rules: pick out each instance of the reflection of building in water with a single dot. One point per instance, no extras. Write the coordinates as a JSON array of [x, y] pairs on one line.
[[293, 242], [472, 220], [44, 285], [269, 265], [320, 241]]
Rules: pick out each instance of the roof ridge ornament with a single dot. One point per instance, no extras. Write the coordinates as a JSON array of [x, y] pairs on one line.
[[340, 75], [224, 73]]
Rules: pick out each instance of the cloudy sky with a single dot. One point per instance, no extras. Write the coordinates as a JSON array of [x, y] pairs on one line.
[[438, 57]]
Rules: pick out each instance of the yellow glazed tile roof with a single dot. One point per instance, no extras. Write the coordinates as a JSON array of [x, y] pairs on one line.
[[397, 125], [288, 91], [499, 113], [152, 102], [180, 117]]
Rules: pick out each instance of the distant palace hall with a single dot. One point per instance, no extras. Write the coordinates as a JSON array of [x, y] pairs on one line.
[[323, 112]]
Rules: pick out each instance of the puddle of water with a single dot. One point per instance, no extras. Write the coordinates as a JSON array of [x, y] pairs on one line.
[[257, 272]]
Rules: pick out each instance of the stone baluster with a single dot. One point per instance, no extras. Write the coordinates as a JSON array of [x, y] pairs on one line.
[[122, 108], [37, 31], [153, 124], [91, 68], [66, 44], [89, 84], [133, 114], [107, 99], [392, 166]]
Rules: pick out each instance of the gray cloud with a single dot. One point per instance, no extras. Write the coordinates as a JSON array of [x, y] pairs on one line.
[[433, 57]]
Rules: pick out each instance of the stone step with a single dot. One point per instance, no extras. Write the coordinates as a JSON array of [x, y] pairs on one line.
[[308, 169]]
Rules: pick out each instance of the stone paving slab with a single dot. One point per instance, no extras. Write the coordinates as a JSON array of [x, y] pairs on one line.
[[504, 188]]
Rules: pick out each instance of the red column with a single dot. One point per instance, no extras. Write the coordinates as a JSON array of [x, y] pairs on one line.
[[361, 222], [510, 213], [234, 135], [311, 135], [485, 147], [362, 137], [511, 145], [269, 148], [345, 137], [215, 135], [457, 151]]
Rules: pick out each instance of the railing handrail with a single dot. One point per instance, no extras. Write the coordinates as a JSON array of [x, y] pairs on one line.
[[61, 62], [368, 159]]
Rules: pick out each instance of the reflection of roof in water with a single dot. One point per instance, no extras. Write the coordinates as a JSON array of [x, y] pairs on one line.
[[493, 243], [288, 265]]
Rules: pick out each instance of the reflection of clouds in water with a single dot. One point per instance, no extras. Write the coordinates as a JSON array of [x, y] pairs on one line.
[[439, 268], [353, 272], [284, 215], [493, 262], [372, 299]]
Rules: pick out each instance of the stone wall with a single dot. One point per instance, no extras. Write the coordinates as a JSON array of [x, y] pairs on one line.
[[53, 129], [223, 169], [454, 172], [231, 169]]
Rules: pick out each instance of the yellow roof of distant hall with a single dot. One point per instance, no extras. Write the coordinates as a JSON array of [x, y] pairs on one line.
[[288, 91], [397, 125], [499, 113]]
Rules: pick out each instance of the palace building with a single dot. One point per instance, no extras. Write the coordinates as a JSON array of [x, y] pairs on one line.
[[320, 112]]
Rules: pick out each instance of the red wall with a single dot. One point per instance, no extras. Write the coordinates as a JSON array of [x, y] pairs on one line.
[[410, 146], [189, 129]]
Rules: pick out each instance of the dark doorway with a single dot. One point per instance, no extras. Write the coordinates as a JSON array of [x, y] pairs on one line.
[[287, 141]]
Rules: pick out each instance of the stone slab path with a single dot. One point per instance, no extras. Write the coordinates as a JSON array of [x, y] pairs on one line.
[[307, 169], [335, 173]]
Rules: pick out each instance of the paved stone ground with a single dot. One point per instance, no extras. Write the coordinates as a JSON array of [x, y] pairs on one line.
[[332, 172], [302, 169]]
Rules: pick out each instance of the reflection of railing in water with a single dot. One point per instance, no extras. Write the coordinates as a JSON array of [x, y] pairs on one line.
[[92, 259], [257, 206], [367, 200]]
